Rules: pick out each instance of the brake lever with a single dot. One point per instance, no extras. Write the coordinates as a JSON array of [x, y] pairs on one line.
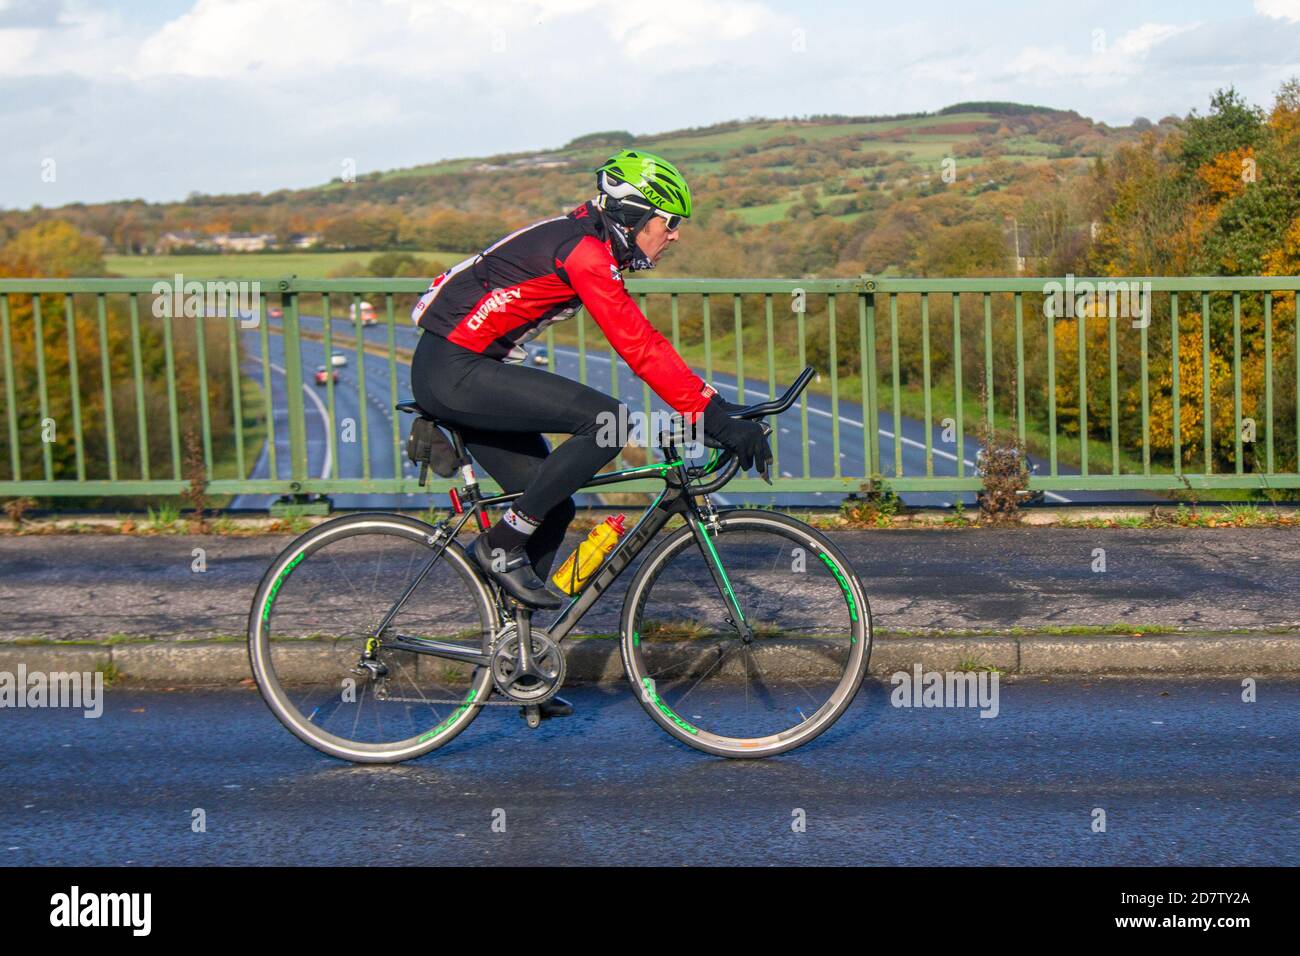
[[766, 471]]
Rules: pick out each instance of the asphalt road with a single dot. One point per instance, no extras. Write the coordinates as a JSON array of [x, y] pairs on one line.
[[793, 435], [1185, 771], [928, 581]]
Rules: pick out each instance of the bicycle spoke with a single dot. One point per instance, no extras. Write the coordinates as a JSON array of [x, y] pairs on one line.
[[747, 699], [718, 660], [312, 635]]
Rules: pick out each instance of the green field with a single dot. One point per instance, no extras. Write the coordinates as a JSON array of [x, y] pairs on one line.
[[758, 134], [684, 147], [768, 212], [308, 265]]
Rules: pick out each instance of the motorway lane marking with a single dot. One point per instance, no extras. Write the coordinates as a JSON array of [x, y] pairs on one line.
[[845, 419], [854, 423], [596, 357], [735, 388], [324, 417], [915, 444], [345, 378]]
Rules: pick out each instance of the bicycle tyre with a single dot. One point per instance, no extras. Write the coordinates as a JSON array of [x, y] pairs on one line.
[[263, 658], [640, 667]]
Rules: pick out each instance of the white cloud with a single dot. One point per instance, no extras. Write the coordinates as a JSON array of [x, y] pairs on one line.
[[1140, 41], [74, 37], [1102, 62], [231, 38], [1279, 9], [234, 95], [18, 46]]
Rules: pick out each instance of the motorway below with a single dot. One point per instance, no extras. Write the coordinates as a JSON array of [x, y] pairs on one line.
[[608, 373], [1185, 772]]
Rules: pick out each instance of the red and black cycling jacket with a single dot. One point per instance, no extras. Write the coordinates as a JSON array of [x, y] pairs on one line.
[[493, 302]]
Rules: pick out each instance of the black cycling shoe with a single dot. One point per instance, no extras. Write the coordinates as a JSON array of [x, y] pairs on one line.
[[556, 707], [534, 714], [517, 578]]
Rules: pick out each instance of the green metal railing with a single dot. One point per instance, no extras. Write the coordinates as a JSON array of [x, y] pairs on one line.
[[103, 396]]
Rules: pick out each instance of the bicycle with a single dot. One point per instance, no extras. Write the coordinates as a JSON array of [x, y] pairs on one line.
[[745, 632]]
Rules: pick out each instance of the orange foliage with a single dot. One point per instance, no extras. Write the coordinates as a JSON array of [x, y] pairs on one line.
[[1228, 173]]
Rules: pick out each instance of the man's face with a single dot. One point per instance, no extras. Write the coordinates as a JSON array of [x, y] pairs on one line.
[[654, 237]]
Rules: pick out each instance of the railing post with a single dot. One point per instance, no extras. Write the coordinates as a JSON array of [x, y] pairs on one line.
[[291, 340], [292, 343], [871, 412], [11, 403], [1229, 370]]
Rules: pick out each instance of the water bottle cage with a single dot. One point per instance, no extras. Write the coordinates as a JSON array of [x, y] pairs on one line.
[[574, 568]]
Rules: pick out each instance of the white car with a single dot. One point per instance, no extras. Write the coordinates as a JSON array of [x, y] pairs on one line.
[[338, 359]]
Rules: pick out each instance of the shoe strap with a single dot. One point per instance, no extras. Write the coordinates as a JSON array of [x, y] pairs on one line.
[[518, 561], [514, 559]]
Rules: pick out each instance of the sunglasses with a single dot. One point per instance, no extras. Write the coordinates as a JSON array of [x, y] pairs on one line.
[[674, 222]]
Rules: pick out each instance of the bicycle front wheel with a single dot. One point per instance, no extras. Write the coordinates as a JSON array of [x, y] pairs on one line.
[[327, 670], [810, 635]]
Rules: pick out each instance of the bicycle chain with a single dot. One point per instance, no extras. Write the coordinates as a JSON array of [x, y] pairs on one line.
[[501, 635], [458, 701]]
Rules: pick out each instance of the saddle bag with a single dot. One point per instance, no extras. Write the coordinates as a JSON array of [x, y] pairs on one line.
[[428, 447]]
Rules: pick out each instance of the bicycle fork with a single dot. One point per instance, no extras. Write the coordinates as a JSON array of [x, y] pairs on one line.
[[719, 574]]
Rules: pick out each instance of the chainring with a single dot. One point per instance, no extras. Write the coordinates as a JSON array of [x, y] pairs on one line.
[[538, 684]]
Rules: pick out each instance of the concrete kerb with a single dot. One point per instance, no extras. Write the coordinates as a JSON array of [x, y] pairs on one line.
[[598, 660], [260, 524]]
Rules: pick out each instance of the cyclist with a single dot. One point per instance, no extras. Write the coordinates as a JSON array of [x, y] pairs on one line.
[[476, 317]]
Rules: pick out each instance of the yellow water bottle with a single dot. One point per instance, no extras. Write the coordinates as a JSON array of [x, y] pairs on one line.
[[589, 555]]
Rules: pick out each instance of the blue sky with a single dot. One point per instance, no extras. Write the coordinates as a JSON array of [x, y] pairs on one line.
[[110, 99]]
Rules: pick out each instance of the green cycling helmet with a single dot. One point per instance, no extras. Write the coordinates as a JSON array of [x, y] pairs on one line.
[[631, 175]]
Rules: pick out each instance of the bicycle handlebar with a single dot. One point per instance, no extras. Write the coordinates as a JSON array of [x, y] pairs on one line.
[[725, 468], [778, 405]]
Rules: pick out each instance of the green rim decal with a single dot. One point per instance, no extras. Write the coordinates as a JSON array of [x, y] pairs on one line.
[[844, 586], [664, 708], [275, 588], [636, 639], [452, 719]]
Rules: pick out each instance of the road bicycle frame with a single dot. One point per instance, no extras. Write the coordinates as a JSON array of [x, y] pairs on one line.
[[678, 497]]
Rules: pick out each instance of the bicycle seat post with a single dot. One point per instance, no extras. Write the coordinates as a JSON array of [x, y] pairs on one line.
[[472, 493]]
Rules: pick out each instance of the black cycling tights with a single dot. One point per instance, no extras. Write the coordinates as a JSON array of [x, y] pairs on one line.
[[501, 411]]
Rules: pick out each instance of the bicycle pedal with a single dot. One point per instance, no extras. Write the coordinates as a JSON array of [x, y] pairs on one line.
[[556, 707], [534, 714]]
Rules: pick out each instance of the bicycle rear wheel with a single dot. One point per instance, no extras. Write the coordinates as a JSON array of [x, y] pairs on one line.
[[320, 604], [707, 687]]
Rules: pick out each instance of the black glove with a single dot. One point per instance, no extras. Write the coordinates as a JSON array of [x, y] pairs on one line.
[[727, 407], [744, 438]]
